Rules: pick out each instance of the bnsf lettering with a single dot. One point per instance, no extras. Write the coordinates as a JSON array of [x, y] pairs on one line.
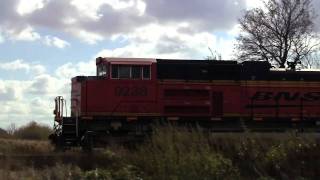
[[312, 96], [286, 96], [262, 96], [131, 91]]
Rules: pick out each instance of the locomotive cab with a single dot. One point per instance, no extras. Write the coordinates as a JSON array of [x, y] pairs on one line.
[[123, 92], [117, 88]]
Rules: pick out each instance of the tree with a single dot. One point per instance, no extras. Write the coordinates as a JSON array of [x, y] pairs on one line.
[[3, 133], [312, 61], [214, 55], [33, 131], [282, 33], [11, 129]]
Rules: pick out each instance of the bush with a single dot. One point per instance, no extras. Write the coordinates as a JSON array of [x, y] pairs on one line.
[[33, 131], [57, 172], [179, 154], [4, 133], [293, 158], [18, 146]]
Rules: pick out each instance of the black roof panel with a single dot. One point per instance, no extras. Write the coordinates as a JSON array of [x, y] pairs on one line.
[[228, 70]]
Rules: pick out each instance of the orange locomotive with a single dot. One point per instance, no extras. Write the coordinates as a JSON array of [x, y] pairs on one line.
[[129, 95]]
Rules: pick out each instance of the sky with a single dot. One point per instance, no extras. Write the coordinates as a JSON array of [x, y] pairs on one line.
[[43, 43]]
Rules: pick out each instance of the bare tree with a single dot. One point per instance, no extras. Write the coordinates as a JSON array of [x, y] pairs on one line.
[[282, 33], [214, 55], [312, 61], [11, 129]]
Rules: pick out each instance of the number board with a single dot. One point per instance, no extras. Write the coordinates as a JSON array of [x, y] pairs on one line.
[[131, 91]]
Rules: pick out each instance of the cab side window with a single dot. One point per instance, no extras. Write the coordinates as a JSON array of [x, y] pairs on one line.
[[124, 72], [136, 72], [130, 72], [146, 72], [114, 71]]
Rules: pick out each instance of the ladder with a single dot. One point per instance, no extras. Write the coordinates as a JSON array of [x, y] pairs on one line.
[[69, 132], [67, 126]]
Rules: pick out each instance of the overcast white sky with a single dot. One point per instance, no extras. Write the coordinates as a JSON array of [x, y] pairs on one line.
[[43, 43]]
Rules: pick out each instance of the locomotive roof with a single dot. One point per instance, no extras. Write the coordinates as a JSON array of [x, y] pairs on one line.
[[217, 70], [229, 70]]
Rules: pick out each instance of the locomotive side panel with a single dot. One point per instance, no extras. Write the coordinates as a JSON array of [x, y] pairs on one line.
[[124, 98], [183, 99], [75, 96], [207, 99], [120, 97], [293, 100], [229, 102]]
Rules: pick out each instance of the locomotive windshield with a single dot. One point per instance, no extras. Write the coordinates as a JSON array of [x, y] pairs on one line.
[[102, 70]]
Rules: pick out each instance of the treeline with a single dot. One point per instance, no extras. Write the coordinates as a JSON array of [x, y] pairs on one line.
[[30, 131]]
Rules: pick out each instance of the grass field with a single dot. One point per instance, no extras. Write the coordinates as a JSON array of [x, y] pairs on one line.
[[170, 153]]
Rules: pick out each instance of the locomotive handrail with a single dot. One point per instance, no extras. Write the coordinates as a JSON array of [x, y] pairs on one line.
[[58, 111], [65, 107]]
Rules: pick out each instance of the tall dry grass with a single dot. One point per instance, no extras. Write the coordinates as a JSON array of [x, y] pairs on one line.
[[170, 153], [173, 153], [19, 146]]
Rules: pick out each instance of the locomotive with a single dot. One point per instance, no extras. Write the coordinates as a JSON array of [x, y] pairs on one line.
[[130, 95]]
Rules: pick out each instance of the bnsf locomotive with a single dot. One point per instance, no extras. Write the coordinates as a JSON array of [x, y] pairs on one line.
[[129, 95]]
